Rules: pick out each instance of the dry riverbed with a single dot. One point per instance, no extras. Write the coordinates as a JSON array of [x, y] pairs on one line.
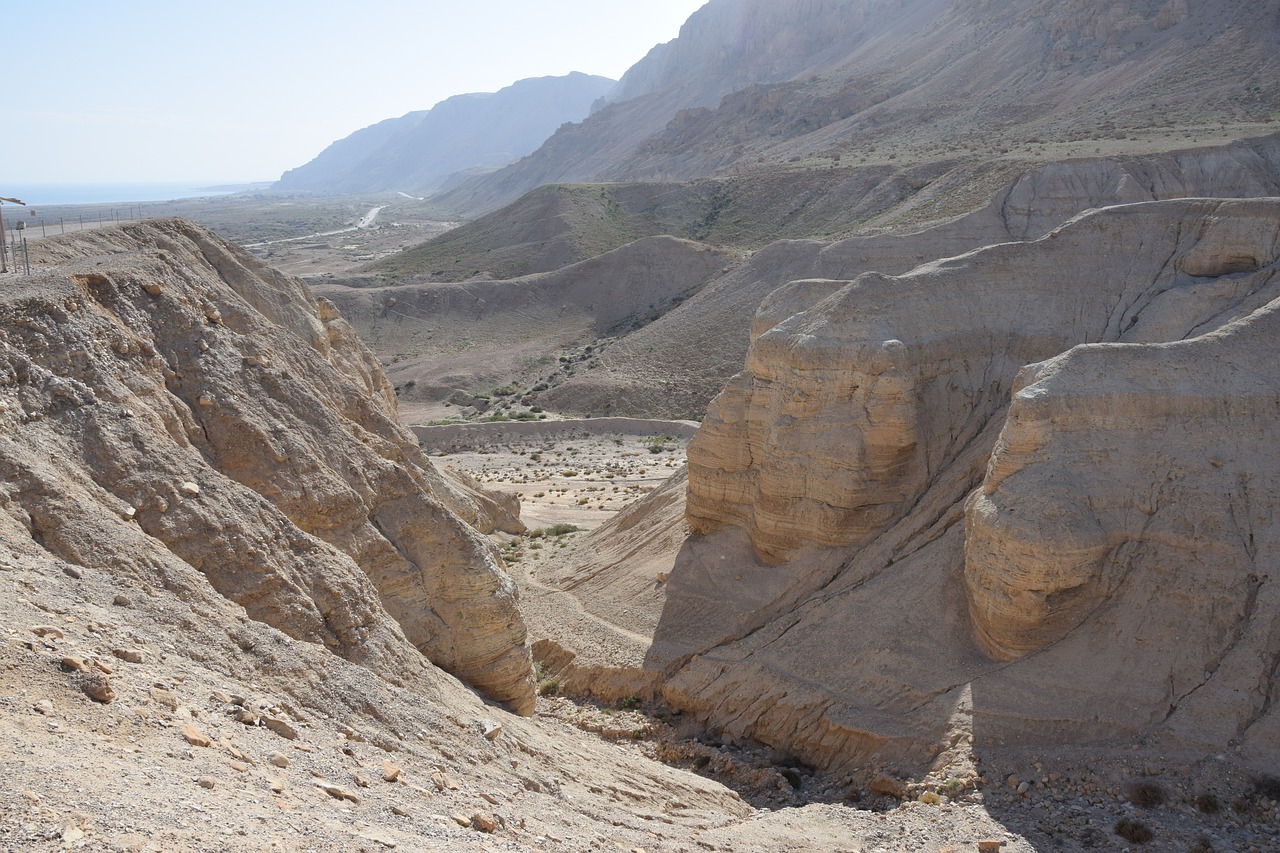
[[580, 482]]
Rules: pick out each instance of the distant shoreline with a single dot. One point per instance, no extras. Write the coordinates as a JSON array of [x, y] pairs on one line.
[[60, 194]]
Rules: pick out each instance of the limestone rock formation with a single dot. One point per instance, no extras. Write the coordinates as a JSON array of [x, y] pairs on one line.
[[848, 410], [1109, 578], [1142, 479], [169, 401]]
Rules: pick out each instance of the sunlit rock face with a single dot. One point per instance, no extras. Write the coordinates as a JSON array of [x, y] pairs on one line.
[[169, 401], [848, 410], [1043, 479]]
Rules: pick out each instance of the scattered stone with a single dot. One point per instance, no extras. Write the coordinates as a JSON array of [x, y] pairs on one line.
[[207, 782], [988, 846], [71, 831], [361, 781], [397, 810], [379, 838], [97, 687], [239, 766], [248, 716], [44, 706], [484, 822], [74, 664], [164, 697], [72, 572], [103, 666], [888, 785], [280, 727], [121, 601], [152, 288], [491, 729], [279, 759], [48, 632], [390, 772], [277, 786], [195, 737], [338, 792], [461, 819], [128, 655], [190, 489]]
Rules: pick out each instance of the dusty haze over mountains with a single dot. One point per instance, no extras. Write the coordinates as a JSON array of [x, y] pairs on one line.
[[968, 310]]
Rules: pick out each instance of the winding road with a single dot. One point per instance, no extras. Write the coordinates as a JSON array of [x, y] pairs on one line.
[[365, 221]]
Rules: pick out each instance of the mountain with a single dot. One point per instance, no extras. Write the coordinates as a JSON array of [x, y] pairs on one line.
[[420, 150], [752, 84]]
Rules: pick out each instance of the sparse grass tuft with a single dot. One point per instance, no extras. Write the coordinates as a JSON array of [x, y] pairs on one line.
[[549, 687], [1208, 804], [1134, 830], [1146, 794]]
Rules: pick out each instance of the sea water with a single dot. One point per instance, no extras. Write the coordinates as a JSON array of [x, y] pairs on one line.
[[47, 194]]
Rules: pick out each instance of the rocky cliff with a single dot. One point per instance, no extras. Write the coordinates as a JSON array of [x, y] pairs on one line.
[[700, 345], [752, 82], [1104, 396], [179, 413]]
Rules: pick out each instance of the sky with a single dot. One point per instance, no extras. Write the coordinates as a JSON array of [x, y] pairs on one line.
[[143, 91]]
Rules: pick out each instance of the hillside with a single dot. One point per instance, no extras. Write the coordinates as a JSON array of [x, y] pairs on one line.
[[751, 83], [419, 151]]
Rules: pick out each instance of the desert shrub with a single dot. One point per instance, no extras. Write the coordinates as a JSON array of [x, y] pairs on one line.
[[1146, 794], [537, 532], [1208, 804], [504, 391], [562, 529], [630, 703], [659, 443], [1268, 786], [1134, 830], [1202, 844], [550, 687]]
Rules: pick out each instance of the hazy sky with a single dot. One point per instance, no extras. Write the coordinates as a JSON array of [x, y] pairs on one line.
[[157, 91]]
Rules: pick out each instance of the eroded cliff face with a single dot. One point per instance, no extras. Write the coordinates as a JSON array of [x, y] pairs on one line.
[[1106, 399], [848, 410], [168, 401]]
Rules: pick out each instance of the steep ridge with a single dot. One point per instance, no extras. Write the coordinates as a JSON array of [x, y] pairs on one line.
[[173, 405], [418, 151], [1114, 559], [699, 346], [762, 82]]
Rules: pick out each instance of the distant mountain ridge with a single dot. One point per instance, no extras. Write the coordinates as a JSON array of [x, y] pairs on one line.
[[769, 82], [419, 151]]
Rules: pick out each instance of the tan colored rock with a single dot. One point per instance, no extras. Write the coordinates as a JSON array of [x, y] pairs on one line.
[[1114, 549], [280, 727], [390, 772], [97, 687], [129, 655], [484, 822], [195, 737], [352, 545], [338, 792], [847, 410]]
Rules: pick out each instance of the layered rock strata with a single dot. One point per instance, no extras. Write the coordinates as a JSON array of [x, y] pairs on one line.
[[168, 399], [1105, 398], [847, 411]]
